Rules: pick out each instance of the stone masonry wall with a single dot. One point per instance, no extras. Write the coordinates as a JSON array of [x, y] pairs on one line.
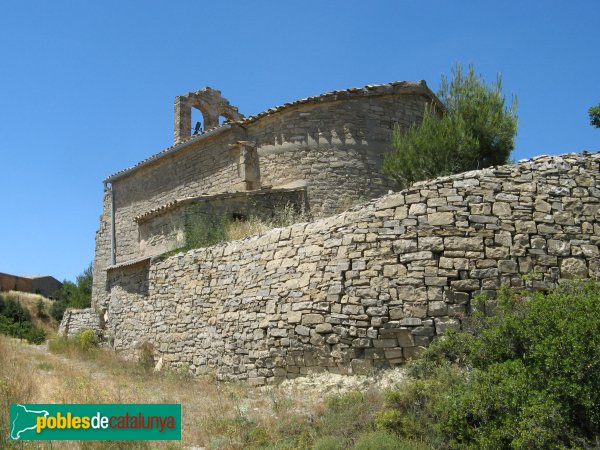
[[200, 169], [77, 320], [331, 144], [336, 148], [165, 230], [102, 255], [368, 287]]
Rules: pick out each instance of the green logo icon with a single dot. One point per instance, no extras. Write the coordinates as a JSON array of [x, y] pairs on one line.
[[95, 422]]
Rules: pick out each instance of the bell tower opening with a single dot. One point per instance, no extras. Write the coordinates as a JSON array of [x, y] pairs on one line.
[[207, 104]]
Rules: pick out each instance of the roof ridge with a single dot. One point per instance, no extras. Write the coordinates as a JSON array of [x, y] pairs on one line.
[[369, 89]]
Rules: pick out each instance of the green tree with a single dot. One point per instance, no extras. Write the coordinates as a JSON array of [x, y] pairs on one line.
[[41, 312], [594, 113], [73, 295], [475, 130]]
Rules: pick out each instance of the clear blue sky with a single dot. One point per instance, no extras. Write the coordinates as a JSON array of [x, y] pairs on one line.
[[87, 88]]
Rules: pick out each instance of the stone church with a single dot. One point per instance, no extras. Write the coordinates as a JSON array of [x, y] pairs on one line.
[[323, 152]]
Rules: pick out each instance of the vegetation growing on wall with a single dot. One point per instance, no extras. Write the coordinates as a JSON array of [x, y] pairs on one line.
[[476, 130], [204, 230]]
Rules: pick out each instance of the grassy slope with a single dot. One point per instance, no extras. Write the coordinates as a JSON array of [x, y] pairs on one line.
[[215, 415], [29, 301]]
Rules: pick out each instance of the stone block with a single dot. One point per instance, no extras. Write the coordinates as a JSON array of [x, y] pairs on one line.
[[417, 209], [278, 332], [384, 343], [312, 319], [501, 209], [433, 243], [573, 268], [465, 285], [526, 226], [302, 330], [294, 316], [405, 246], [463, 243], [405, 338], [508, 266], [440, 218], [437, 308], [416, 256], [377, 311], [362, 342], [324, 328]]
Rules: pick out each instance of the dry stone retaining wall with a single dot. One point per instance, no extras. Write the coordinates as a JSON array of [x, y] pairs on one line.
[[77, 320], [365, 288]]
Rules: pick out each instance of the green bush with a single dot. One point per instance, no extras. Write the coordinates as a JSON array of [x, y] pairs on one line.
[[203, 231], [383, 440], [87, 340], [475, 130], [40, 309], [16, 321], [73, 295], [529, 376], [84, 344], [594, 113]]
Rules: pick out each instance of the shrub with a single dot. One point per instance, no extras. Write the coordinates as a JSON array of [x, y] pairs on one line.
[[594, 113], [40, 310], [476, 130], [73, 295], [383, 440], [530, 376], [87, 340], [203, 231], [16, 321]]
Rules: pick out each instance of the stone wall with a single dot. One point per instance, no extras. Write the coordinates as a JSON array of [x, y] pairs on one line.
[[365, 288], [331, 144], [102, 255], [336, 148], [206, 168], [77, 320], [166, 229]]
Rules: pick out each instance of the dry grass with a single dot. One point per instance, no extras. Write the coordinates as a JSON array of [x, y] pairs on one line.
[[29, 301], [214, 415], [285, 216], [239, 229]]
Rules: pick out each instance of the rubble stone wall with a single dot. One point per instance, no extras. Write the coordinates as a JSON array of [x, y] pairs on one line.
[[166, 230], [367, 287], [77, 320], [335, 148], [332, 145]]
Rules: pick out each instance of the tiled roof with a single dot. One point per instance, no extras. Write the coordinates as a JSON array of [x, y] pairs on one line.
[[404, 87], [168, 151], [208, 197], [131, 262]]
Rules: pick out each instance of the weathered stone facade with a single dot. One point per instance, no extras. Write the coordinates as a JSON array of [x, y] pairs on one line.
[[331, 146], [163, 230], [367, 287], [77, 320]]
